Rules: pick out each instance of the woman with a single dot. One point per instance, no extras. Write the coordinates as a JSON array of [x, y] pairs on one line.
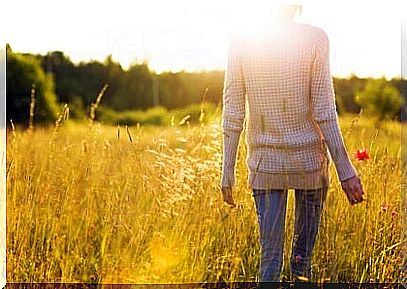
[[284, 75]]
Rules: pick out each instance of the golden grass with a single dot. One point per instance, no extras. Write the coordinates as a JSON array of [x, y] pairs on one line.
[[94, 203]]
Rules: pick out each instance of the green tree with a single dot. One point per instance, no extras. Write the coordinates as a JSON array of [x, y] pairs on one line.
[[24, 72], [63, 71], [346, 90], [136, 89], [380, 99], [114, 78]]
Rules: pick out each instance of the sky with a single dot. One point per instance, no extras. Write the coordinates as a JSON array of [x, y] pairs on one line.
[[365, 36]]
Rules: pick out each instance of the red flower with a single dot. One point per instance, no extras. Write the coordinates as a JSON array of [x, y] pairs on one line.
[[361, 155]]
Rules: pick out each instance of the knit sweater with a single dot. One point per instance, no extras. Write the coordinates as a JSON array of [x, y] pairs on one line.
[[279, 81]]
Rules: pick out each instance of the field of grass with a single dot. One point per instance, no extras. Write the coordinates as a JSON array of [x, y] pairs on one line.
[[93, 203]]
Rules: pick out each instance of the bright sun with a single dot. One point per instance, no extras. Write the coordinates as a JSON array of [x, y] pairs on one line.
[[193, 35]]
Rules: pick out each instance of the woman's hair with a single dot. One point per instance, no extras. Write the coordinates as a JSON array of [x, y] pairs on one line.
[[287, 12]]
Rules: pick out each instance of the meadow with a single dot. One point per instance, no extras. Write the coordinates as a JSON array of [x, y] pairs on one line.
[[88, 202]]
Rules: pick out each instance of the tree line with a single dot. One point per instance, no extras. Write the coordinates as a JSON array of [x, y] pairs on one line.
[[55, 80]]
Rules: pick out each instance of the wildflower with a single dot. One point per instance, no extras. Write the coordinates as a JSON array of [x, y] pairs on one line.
[[361, 155]]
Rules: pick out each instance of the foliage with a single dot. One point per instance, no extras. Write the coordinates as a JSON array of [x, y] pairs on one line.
[[345, 91], [24, 73], [134, 88], [138, 88], [380, 99], [157, 115]]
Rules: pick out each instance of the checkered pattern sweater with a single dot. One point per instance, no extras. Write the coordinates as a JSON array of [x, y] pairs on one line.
[[280, 83]]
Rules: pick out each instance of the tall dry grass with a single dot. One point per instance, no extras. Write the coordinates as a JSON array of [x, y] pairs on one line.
[[92, 203]]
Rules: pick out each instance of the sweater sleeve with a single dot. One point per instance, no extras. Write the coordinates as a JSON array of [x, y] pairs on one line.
[[324, 109], [232, 116]]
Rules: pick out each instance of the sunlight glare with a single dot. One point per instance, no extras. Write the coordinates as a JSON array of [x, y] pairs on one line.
[[194, 35]]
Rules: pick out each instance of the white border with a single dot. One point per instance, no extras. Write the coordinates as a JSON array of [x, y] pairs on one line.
[[3, 167]]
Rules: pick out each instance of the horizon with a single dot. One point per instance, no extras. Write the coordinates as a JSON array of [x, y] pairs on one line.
[[193, 37], [209, 70]]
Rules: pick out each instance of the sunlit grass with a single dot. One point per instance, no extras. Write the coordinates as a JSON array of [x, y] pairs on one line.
[[93, 203]]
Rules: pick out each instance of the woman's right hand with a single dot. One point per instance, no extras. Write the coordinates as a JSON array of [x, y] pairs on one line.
[[353, 190]]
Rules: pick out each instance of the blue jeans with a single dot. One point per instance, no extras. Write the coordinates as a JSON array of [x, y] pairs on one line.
[[271, 210]]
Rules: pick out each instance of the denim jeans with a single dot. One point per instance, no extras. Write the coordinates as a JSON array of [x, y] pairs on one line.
[[271, 210]]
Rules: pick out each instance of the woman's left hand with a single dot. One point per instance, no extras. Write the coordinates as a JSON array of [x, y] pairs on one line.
[[227, 193]]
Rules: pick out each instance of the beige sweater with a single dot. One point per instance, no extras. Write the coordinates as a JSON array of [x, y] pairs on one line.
[[280, 82]]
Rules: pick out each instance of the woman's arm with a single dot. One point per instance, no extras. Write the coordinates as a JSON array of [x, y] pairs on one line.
[[233, 115], [324, 109]]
